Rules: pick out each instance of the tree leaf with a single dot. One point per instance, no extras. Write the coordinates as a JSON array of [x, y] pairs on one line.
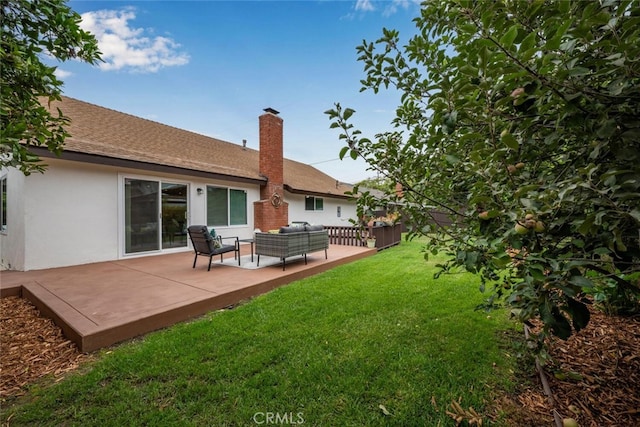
[[579, 71], [453, 160], [580, 314], [560, 326], [581, 281], [348, 112], [510, 141], [507, 39]]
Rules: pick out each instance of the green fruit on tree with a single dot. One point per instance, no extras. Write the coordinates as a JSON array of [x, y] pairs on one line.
[[539, 227], [519, 165], [521, 229], [528, 217], [511, 168]]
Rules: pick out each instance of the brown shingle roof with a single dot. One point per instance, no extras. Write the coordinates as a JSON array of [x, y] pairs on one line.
[[108, 133]]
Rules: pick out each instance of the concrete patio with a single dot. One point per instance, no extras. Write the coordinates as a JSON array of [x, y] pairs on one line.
[[101, 304]]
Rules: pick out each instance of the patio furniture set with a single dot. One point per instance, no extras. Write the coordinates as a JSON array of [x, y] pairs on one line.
[[286, 243]]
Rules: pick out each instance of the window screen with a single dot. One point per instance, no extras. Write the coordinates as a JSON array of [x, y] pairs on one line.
[[217, 204], [313, 203], [226, 206], [238, 207]]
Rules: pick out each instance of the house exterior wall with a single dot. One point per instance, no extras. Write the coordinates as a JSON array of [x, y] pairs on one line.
[[11, 240], [72, 214], [327, 216], [53, 215]]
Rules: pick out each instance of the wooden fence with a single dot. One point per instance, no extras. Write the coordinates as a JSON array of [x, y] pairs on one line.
[[347, 236], [385, 235]]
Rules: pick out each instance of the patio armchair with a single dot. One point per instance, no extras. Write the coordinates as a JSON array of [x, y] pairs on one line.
[[206, 244]]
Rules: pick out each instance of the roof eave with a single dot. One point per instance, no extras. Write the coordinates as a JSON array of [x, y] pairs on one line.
[[133, 164], [316, 193]]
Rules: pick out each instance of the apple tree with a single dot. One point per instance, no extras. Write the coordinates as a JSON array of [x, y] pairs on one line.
[[521, 119], [32, 29]]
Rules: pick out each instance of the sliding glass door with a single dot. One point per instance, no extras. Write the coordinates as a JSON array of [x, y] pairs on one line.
[[174, 215], [155, 215]]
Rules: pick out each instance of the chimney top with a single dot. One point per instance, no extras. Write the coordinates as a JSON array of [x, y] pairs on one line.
[[271, 110]]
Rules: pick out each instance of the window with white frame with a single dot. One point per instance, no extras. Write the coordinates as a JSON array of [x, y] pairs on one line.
[[226, 206], [312, 203]]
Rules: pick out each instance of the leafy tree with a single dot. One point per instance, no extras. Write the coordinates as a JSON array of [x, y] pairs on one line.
[[379, 183], [522, 120], [30, 30]]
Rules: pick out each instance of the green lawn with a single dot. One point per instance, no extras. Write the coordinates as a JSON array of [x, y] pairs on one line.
[[326, 351]]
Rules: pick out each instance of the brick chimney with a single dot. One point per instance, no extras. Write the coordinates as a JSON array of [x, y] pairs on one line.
[[271, 211]]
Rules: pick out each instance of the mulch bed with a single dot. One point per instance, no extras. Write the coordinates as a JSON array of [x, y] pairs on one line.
[[594, 376], [31, 347]]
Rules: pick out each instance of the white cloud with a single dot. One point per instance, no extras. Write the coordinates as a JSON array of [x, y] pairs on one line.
[[62, 74], [396, 4], [364, 6], [389, 9], [125, 47]]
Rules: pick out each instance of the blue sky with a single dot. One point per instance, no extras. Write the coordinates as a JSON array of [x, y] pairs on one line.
[[212, 67]]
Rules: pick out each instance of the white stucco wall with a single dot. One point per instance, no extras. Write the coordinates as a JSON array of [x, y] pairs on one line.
[[58, 218], [73, 214], [70, 215], [327, 216], [11, 240]]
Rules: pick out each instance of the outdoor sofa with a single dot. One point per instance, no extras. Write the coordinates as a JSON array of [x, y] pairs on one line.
[[292, 241]]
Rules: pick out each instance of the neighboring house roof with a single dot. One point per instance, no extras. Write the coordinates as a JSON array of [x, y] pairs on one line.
[[102, 135]]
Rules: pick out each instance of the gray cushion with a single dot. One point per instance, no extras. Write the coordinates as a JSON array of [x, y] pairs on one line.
[[284, 230], [314, 227]]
